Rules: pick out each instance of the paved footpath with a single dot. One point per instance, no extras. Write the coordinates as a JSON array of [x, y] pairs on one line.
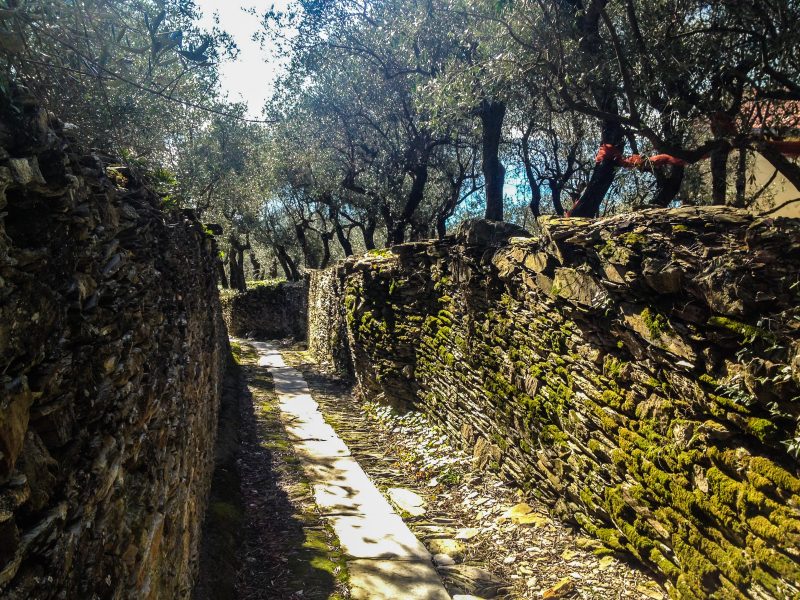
[[385, 560]]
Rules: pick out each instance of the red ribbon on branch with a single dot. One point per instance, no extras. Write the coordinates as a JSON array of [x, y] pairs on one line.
[[646, 163], [636, 161]]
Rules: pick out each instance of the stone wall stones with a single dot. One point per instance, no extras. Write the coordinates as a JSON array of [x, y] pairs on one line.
[[268, 310], [327, 327], [641, 374], [112, 348]]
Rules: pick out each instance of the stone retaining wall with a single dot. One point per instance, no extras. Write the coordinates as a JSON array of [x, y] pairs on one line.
[[638, 373], [268, 311], [327, 326], [112, 347]]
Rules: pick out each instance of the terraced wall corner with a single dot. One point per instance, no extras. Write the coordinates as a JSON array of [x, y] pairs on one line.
[[269, 310], [640, 373]]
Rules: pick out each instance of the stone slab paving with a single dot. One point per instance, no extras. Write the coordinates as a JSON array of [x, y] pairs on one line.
[[387, 562], [393, 580]]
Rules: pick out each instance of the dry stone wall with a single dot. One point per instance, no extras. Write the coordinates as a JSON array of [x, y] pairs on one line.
[[641, 374], [112, 347], [327, 325], [268, 310]]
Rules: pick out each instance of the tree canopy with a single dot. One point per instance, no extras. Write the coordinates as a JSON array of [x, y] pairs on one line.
[[394, 119]]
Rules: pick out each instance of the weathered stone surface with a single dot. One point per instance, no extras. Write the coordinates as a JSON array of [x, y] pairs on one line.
[[443, 560], [112, 348], [635, 372], [471, 580], [446, 546], [394, 579], [407, 501], [377, 535]]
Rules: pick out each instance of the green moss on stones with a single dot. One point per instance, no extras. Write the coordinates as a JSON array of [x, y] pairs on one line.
[[553, 436], [749, 333], [656, 323], [763, 429], [631, 239], [380, 252]]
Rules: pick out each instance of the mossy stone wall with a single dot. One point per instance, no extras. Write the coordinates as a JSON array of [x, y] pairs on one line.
[[268, 310], [639, 373], [112, 348]]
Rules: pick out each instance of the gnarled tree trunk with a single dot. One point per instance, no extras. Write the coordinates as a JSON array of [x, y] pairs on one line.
[[588, 205], [668, 180], [492, 114], [287, 264], [236, 263]]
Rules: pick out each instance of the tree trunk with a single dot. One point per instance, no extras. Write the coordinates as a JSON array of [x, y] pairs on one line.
[[347, 247], [219, 265], [719, 174], [414, 199], [492, 114], [273, 269], [326, 238], [288, 265], [668, 180], [287, 273], [419, 230], [441, 227], [588, 204], [536, 191], [236, 264], [556, 188], [741, 179], [258, 271], [368, 231], [388, 220], [309, 257], [448, 209]]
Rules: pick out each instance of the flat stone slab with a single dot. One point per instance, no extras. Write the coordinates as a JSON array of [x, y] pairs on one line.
[[335, 471], [288, 380], [314, 449], [394, 580], [349, 499], [308, 427], [378, 536], [298, 403], [407, 501]]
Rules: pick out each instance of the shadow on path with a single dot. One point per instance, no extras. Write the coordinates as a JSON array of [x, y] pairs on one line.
[[263, 537]]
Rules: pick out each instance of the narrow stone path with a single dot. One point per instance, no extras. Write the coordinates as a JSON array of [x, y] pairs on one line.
[[488, 537], [385, 561]]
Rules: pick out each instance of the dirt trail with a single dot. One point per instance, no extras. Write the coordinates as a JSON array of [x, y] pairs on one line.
[[263, 536]]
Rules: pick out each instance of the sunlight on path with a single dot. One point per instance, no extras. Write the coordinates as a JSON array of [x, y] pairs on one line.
[[386, 561]]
